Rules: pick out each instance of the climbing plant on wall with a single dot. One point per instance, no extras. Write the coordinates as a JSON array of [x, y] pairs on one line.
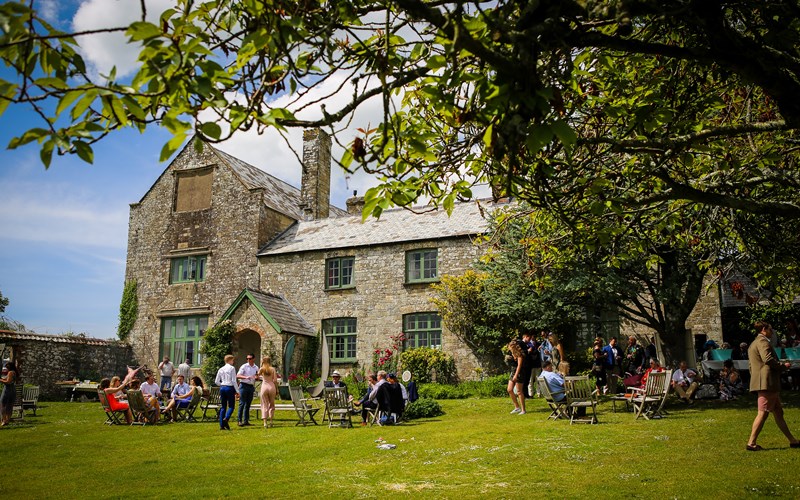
[[217, 342], [128, 309]]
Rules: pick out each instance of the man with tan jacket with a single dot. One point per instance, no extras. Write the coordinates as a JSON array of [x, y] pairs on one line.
[[765, 378]]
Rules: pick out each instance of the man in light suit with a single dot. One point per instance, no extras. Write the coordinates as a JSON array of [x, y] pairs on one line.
[[765, 378]]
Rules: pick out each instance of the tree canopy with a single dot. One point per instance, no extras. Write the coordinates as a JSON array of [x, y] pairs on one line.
[[614, 115]]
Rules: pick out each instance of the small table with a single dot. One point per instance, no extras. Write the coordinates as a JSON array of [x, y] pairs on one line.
[[79, 387]]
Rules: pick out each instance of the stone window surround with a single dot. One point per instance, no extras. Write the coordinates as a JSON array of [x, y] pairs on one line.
[[409, 333], [348, 336], [422, 279], [352, 283]]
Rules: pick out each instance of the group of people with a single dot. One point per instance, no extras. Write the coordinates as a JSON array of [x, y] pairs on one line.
[[526, 359], [156, 403], [167, 370], [384, 392], [241, 383]]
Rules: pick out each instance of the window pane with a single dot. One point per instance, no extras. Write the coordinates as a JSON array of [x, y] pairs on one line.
[[347, 271], [189, 352], [201, 269], [180, 328], [191, 329], [203, 324]]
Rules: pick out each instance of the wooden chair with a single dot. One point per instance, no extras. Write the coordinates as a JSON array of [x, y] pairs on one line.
[[337, 406], [305, 412], [581, 393], [142, 414], [30, 398], [18, 407], [187, 413], [212, 402], [557, 407], [113, 417], [660, 412], [647, 401]]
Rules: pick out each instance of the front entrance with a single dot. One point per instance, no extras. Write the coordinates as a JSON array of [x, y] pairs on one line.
[[247, 342]]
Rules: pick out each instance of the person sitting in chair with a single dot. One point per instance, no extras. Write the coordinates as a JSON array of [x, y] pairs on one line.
[[151, 392], [182, 395], [337, 380], [555, 382], [397, 402], [683, 382], [655, 367], [365, 402], [113, 404]]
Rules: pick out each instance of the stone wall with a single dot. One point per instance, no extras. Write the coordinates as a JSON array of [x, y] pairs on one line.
[[229, 232], [380, 297], [47, 359]]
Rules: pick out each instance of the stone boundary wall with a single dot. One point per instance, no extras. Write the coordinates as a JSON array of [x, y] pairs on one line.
[[47, 359]]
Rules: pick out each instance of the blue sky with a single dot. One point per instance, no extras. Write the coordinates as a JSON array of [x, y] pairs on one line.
[[63, 230]]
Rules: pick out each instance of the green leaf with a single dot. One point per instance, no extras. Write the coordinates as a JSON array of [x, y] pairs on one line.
[[171, 146], [564, 133], [52, 82], [46, 153], [211, 130], [66, 100], [141, 30], [84, 151]]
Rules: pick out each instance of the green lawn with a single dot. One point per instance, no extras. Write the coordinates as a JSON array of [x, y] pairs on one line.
[[476, 450]]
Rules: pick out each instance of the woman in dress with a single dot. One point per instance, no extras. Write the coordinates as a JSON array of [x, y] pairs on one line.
[[9, 392], [113, 403], [517, 382], [269, 389], [560, 363], [183, 400]]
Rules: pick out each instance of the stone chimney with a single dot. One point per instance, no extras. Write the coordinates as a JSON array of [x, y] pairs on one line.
[[355, 205], [316, 187]]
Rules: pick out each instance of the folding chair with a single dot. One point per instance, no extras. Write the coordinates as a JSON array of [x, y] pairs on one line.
[[337, 406], [112, 416], [187, 413], [30, 398], [305, 412], [212, 402], [142, 414], [557, 407]]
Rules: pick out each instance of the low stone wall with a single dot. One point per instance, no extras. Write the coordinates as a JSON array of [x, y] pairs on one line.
[[46, 359]]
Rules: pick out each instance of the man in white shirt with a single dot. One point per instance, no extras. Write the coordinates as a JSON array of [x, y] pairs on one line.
[[185, 369], [181, 387], [228, 388], [151, 392], [683, 382], [247, 378], [167, 368]]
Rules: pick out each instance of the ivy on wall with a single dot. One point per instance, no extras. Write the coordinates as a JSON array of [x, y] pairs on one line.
[[217, 343], [128, 309]]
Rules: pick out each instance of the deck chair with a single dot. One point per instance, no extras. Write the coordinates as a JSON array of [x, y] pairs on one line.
[[142, 414], [112, 416], [30, 398], [337, 407], [581, 393], [305, 412], [557, 408], [212, 402], [187, 413], [646, 401], [660, 412], [18, 408]]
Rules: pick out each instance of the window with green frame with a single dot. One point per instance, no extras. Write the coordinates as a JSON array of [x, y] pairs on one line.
[[339, 272], [341, 334], [422, 266], [181, 337], [423, 330], [187, 269]]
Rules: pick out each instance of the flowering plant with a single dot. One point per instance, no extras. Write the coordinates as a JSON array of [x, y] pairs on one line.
[[386, 358], [301, 379]]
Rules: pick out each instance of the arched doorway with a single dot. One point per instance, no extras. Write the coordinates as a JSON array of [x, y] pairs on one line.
[[247, 341]]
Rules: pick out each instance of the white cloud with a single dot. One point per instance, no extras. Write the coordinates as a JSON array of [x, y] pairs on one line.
[[104, 50], [48, 10], [56, 215]]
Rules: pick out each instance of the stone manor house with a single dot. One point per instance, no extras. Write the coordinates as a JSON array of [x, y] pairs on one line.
[[216, 238]]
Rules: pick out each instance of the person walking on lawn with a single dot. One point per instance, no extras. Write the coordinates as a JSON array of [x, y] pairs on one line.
[[765, 378]]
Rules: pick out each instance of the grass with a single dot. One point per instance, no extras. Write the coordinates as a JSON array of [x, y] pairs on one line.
[[476, 450]]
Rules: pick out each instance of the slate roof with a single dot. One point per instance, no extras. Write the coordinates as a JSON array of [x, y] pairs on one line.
[[280, 310], [8, 335], [278, 195], [394, 226]]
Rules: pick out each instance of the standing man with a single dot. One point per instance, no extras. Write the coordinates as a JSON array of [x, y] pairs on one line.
[[185, 369], [228, 389], [613, 364], [534, 361], [634, 357], [247, 379], [765, 378], [167, 368], [545, 347]]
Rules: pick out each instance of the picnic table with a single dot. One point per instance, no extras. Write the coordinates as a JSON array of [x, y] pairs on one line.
[[80, 389]]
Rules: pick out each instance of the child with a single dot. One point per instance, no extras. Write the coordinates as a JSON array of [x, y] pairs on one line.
[[599, 371]]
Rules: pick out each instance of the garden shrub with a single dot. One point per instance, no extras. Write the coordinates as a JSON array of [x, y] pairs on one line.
[[128, 309], [442, 391], [217, 343], [422, 408], [420, 361], [491, 387]]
